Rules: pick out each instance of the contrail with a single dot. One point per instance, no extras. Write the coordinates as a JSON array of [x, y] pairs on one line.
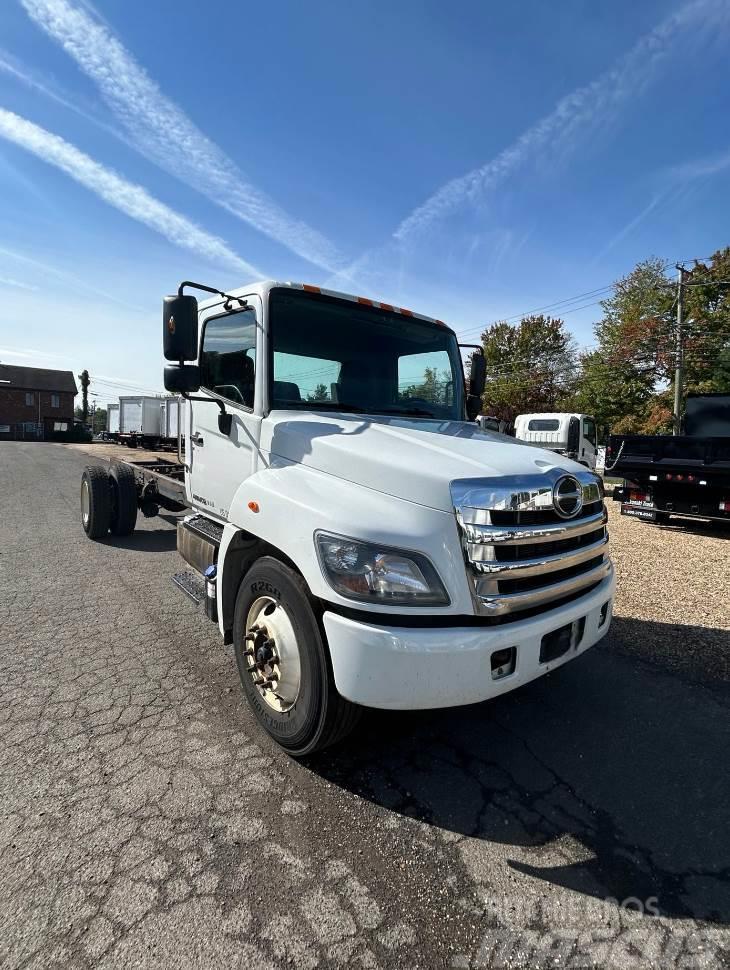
[[125, 196], [594, 101], [164, 134]]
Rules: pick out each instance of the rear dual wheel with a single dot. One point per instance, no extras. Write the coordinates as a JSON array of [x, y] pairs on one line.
[[108, 500], [284, 663]]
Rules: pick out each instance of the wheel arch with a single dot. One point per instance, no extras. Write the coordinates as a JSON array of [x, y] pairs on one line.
[[238, 552]]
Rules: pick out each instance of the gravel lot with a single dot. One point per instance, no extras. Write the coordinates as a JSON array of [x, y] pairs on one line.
[[147, 822]]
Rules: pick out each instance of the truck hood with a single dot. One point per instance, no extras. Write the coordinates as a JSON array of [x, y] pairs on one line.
[[412, 459]]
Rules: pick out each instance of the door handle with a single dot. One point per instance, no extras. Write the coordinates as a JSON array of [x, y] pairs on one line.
[[197, 439]]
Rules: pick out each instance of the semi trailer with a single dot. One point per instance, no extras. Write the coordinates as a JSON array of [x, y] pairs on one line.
[[687, 475], [355, 536]]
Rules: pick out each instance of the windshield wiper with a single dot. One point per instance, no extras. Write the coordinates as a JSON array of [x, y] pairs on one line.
[[323, 406], [354, 408], [415, 412]]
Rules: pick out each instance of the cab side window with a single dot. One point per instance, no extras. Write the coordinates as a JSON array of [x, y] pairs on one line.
[[228, 356], [589, 430]]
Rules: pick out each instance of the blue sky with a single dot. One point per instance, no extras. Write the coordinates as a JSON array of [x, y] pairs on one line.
[[472, 161]]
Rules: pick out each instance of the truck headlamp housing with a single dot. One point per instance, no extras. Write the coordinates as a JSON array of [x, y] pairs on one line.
[[373, 573]]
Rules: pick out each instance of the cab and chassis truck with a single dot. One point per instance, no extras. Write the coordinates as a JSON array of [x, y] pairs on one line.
[[357, 538]]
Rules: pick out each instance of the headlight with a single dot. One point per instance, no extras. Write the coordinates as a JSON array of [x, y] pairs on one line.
[[374, 573]]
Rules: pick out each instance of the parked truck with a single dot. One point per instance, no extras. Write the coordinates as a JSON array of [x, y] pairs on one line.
[[687, 475], [112, 421], [139, 421], [357, 538], [572, 435]]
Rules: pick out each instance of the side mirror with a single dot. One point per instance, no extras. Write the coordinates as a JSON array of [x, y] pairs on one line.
[[182, 378], [180, 328], [473, 407], [477, 375]]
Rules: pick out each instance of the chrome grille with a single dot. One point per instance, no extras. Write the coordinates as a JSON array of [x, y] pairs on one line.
[[521, 552]]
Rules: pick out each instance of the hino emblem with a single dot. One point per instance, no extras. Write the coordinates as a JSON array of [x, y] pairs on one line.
[[567, 497]]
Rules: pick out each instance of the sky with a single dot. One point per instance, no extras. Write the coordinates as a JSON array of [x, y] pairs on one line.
[[471, 161]]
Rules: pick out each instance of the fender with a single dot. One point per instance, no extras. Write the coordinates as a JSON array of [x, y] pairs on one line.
[[281, 506]]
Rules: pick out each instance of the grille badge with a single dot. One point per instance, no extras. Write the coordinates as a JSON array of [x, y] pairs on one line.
[[567, 497]]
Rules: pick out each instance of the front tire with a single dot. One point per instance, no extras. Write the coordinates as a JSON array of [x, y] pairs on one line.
[[95, 501], [284, 664]]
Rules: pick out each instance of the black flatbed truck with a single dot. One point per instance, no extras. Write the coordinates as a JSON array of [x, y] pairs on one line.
[[687, 475]]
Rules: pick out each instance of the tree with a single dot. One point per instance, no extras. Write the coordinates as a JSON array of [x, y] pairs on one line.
[[320, 393], [435, 388], [85, 381], [627, 382], [530, 367], [707, 328]]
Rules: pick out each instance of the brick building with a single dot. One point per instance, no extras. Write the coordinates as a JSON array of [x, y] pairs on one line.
[[35, 402]]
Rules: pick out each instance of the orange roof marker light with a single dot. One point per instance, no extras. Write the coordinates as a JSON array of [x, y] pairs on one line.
[[254, 506], [385, 306], [311, 289], [406, 313], [364, 300]]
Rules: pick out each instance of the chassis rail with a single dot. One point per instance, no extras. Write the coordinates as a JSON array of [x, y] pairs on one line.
[[160, 482]]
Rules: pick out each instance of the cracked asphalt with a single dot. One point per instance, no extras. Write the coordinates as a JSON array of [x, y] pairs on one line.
[[145, 821]]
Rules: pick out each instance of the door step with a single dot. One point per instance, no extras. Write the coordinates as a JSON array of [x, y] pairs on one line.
[[191, 584], [206, 528]]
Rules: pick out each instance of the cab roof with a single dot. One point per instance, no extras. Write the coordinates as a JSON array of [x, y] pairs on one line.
[[263, 287]]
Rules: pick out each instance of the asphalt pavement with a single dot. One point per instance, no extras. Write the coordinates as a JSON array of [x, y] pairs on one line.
[[145, 820]]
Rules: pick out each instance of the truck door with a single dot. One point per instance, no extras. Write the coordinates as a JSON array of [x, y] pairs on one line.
[[228, 359], [588, 443]]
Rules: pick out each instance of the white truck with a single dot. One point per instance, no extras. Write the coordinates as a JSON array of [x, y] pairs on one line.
[[572, 435], [358, 539]]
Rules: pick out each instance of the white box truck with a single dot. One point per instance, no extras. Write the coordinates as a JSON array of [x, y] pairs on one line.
[[112, 420], [572, 435], [357, 538], [139, 421]]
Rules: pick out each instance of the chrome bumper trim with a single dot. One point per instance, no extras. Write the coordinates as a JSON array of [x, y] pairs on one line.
[[510, 602]]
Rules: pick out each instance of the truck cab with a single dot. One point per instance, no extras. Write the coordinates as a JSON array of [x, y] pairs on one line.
[[361, 541], [572, 435]]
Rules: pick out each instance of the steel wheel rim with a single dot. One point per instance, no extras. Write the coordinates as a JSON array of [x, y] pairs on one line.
[[272, 655], [85, 503]]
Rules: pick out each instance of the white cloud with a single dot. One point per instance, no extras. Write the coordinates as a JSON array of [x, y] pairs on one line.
[[18, 284], [675, 185], [49, 88], [593, 103], [701, 167], [131, 199], [42, 269], [163, 133]]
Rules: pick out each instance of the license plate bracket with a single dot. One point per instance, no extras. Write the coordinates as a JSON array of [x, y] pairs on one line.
[[558, 642]]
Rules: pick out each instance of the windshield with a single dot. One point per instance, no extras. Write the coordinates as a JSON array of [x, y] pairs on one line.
[[333, 354]]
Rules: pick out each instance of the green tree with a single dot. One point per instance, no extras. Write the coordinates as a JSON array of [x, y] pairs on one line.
[[320, 393], [435, 388], [85, 381], [530, 367], [627, 383]]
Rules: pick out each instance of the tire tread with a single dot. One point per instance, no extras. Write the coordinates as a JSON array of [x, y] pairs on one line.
[[121, 478], [99, 501]]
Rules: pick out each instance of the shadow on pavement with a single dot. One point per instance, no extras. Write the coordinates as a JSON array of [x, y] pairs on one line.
[[146, 540], [629, 761]]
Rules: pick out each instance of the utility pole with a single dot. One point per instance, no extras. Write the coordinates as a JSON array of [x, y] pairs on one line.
[[679, 352]]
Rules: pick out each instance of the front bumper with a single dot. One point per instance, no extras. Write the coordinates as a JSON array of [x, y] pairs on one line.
[[412, 668]]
